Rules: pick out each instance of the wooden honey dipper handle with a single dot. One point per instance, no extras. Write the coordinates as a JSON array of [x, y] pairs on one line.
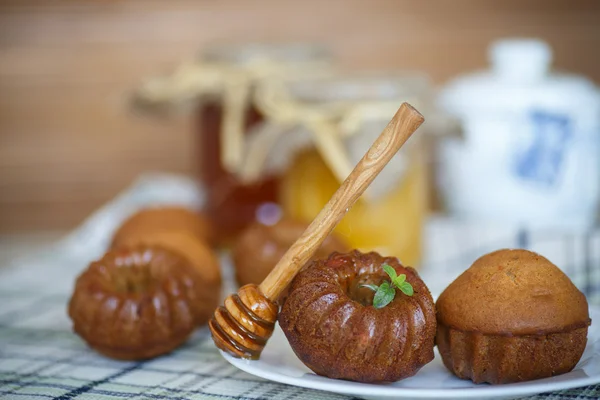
[[396, 133], [243, 326]]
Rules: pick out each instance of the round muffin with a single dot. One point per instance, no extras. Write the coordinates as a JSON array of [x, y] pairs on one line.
[[191, 248], [260, 247], [163, 219], [332, 326], [512, 316], [138, 303]]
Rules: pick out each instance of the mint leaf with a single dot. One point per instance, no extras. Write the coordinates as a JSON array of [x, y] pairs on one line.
[[369, 286], [384, 295], [406, 288], [390, 271], [399, 280]]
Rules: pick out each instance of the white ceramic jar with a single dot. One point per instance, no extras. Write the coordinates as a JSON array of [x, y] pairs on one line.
[[530, 151]]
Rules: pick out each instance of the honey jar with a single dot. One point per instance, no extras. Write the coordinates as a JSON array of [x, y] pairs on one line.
[[220, 87], [318, 129]]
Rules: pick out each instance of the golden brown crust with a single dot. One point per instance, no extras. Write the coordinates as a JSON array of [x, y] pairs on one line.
[[334, 330], [512, 316], [188, 246], [163, 219], [261, 246], [513, 292], [504, 359], [138, 303]]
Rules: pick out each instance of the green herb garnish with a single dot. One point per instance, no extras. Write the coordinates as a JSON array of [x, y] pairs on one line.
[[385, 293]]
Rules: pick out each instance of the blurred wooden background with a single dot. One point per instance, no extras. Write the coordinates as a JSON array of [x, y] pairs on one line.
[[68, 142]]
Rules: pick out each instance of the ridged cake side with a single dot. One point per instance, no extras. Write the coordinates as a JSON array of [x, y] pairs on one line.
[[504, 359], [334, 330], [138, 303]]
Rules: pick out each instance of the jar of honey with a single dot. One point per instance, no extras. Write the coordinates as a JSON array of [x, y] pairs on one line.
[[319, 129], [220, 85]]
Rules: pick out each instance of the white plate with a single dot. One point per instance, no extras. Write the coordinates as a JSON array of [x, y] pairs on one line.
[[279, 363]]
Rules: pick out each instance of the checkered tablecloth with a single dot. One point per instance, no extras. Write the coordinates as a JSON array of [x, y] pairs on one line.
[[40, 357]]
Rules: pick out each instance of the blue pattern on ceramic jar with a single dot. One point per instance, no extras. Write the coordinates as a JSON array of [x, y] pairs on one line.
[[541, 159], [530, 153]]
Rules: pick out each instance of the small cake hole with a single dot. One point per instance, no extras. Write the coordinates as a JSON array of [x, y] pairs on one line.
[[137, 272], [363, 295]]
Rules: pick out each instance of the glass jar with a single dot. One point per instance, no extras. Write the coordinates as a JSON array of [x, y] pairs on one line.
[[221, 85], [325, 126]]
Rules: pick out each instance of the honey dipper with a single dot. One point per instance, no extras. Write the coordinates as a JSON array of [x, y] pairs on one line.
[[243, 326]]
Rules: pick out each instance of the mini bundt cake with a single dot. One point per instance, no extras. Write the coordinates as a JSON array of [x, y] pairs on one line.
[[512, 316], [163, 219], [190, 247], [332, 326], [138, 303], [261, 246]]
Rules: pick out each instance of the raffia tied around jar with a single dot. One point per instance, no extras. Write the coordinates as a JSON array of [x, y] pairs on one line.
[[330, 121], [229, 79]]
